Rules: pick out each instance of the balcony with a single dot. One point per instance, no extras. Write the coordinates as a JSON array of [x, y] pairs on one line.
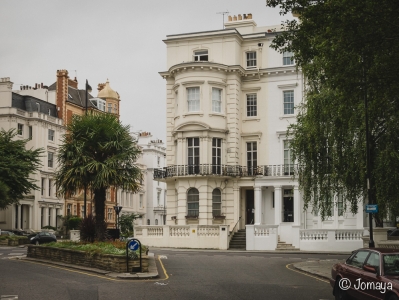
[[224, 170], [160, 210]]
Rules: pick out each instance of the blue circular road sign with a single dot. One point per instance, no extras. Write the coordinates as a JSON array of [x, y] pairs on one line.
[[133, 245]]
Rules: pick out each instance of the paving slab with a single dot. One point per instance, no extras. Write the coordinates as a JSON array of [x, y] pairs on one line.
[[319, 268]]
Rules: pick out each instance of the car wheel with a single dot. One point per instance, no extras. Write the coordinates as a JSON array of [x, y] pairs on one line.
[[37, 243], [339, 293], [393, 297]]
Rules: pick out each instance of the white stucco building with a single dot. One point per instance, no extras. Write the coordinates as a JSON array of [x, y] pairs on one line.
[[35, 119], [230, 98], [153, 157]]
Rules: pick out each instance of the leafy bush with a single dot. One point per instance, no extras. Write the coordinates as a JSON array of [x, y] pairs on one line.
[[114, 248], [73, 222], [126, 223], [88, 229], [49, 227]]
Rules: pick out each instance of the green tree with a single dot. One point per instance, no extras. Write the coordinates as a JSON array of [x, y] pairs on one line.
[[98, 152], [347, 51], [17, 164], [126, 223]]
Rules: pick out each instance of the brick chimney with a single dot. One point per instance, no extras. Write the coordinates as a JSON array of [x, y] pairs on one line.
[[62, 93]]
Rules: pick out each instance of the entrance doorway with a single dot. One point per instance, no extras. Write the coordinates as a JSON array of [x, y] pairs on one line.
[[250, 207]]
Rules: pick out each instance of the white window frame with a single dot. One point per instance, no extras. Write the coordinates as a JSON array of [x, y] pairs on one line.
[[288, 106], [20, 129], [201, 55], [287, 155], [193, 99], [216, 100], [216, 156], [109, 108], [50, 159], [216, 203], [51, 134], [252, 105], [288, 58], [252, 163], [193, 202], [251, 59], [109, 213], [193, 155]]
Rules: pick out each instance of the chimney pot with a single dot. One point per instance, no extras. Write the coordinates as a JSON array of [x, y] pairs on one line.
[[239, 17], [230, 18], [249, 16], [235, 18]]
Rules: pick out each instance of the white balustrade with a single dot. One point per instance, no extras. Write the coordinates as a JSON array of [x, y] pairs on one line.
[[208, 230]]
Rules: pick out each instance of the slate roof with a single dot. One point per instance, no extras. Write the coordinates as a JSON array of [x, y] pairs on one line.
[[31, 104], [78, 97]]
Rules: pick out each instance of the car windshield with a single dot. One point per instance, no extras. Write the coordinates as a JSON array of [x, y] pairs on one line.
[[391, 264]]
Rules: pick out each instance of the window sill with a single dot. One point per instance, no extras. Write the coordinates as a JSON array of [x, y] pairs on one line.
[[287, 116], [251, 119], [194, 113], [216, 114], [251, 68]]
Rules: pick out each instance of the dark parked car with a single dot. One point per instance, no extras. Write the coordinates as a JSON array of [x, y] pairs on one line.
[[367, 274], [42, 238]]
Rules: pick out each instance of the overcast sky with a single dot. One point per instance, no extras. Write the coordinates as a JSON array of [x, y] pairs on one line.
[[120, 40]]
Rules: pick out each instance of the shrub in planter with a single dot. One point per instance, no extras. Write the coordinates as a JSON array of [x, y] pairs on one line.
[[49, 227], [88, 229], [73, 222]]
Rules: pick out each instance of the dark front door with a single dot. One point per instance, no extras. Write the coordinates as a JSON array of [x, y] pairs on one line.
[[288, 209], [250, 207]]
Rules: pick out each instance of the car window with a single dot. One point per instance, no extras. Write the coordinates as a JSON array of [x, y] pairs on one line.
[[395, 233], [47, 234], [373, 260], [42, 234], [391, 264], [359, 258]]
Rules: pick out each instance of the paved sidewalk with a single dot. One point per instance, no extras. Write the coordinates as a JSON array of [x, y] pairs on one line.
[[319, 268], [152, 268]]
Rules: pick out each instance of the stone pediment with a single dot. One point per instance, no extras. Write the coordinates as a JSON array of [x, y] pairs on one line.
[[195, 126]]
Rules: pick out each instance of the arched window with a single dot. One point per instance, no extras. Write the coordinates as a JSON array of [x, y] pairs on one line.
[[148, 221], [156, 221], [193, 203], [216, 202]]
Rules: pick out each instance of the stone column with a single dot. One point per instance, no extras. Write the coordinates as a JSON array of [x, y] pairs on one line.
[[13, 215], [30, 207], [45, 216], [53, 216], [236, 194], [277, 205], [19, 217], [258, 205], [297, 206]]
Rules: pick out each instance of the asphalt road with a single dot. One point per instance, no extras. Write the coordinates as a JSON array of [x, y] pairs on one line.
[[184, 275]]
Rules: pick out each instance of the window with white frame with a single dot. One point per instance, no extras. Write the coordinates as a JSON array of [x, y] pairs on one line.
[[251, 59], [158, 161], [201, 55], [50, 184], [216, 203], [251, 105], [109, 213], [50, 159], [193, 98], [288, 102], [148, 222], [193, 155], [193, 203], [110, 107], [51, 135], [216, 100], [69, 209], [115, 109], [20, 129], [288, 161], [216, 156], [158, 198], [288, 58], [252, 157], [43, 186], [156, 221], [141, 201]]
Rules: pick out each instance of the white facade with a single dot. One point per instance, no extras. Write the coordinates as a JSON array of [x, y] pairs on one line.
[[230, 98], [153, 157], [34, 119]]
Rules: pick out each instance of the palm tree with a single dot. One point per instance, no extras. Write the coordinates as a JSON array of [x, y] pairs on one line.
[[97, 152]]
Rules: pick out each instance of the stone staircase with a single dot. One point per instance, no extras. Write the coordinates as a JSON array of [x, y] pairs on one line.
[[238, 241], [283, 246]]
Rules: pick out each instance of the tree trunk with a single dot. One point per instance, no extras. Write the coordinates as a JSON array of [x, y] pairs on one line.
[[99, 204]]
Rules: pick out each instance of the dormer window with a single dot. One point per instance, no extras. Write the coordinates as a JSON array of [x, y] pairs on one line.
[[251, 59], [201, 55], [99, 103]]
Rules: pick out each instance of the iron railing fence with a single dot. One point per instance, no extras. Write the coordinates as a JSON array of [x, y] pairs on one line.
[[225, 170]]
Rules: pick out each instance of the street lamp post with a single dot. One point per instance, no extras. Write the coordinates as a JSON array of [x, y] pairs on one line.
[[117, 209]]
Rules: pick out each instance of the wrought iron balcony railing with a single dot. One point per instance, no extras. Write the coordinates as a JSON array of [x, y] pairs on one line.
[[225, 170]]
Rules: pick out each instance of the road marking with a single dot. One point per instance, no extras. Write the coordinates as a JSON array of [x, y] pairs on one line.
[[162, 257], [16, 253], [295, 258], [303, 273], [9, 297], [275, 257], [163, 268]]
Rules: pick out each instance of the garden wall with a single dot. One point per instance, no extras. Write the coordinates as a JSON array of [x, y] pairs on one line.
[[108, 262]]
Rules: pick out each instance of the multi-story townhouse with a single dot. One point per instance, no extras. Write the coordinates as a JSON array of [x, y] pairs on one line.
[[229, 100], [153, 157], [35, 119]]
